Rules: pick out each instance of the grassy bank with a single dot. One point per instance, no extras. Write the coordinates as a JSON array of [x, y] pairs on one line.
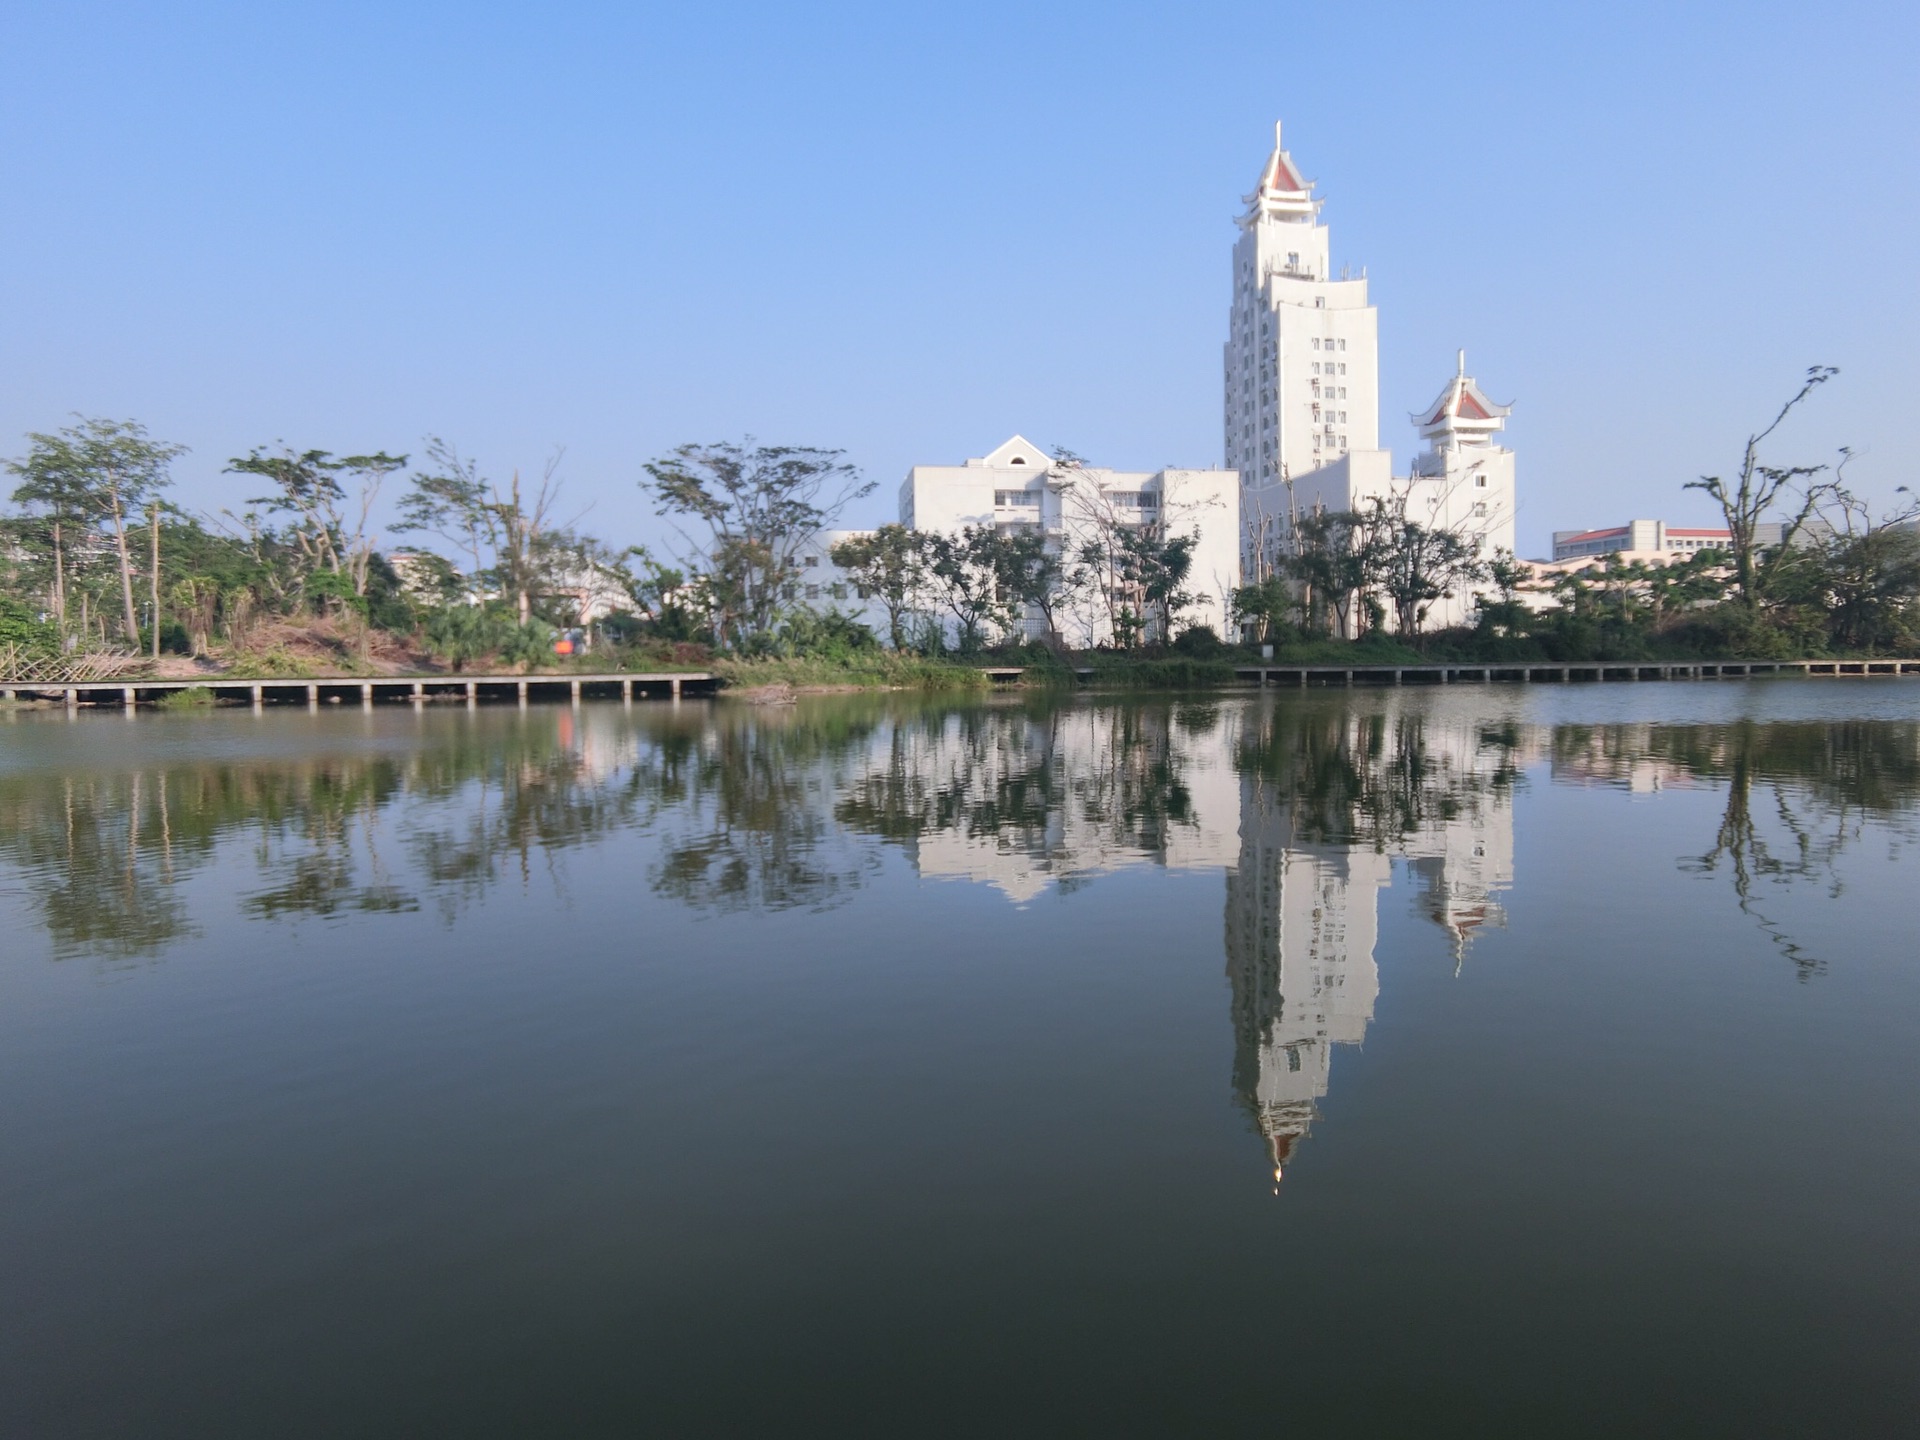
[[870, 670]]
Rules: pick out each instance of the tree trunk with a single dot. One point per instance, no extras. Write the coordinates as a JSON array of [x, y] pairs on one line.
[[154, 524], [59, 580], [126, 570]]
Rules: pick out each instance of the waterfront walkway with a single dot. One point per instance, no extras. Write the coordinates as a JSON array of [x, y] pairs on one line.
[[1300, 676], [368, 691]]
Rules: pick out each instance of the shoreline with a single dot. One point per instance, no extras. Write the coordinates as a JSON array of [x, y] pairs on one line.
[[770, 689]]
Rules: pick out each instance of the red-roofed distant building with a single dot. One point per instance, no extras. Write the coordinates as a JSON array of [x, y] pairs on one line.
[[1649, 537]]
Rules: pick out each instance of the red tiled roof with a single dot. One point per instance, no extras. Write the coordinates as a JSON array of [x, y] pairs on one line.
[[1282, 176]]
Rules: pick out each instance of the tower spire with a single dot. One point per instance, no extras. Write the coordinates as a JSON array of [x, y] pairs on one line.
[[1282, 193]]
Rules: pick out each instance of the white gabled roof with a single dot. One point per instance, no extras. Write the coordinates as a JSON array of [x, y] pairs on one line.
[[1017, 453]]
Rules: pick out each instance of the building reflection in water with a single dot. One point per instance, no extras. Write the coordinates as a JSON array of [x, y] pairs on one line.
[[1028, 799], [1308, 807], [1305, 810], [1328, 802]]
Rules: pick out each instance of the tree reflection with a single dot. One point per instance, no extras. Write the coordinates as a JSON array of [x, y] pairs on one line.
[[1799, 796], [1027, 796], [746, 807], [105, 857], [795, 807]]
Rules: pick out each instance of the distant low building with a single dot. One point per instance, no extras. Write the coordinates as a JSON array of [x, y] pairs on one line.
[[1654, 537], [1018, 487]]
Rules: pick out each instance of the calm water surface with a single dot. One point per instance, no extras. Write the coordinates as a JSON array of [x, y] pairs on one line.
[[1487, 1062]]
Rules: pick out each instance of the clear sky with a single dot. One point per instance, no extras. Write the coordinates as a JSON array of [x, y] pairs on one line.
[[911, 231]]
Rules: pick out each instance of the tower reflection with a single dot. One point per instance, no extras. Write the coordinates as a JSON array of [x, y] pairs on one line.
[[1329, 799]]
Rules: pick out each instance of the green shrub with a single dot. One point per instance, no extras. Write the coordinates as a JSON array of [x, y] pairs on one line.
[[463, 634], [194, 697], [876, 669], [278, 663], [1198, 642], [23, 629]]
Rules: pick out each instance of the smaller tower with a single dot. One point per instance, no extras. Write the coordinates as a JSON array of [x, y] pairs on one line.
[[1464, 480], [1462, 417]]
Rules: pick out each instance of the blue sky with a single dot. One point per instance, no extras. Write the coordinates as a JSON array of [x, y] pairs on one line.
[[912, 231]]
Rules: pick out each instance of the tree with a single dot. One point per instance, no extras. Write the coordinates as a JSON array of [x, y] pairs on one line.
[[1263, 607], [1031, 573], [964, 571], [1755, 490], [1866, 572], [1502, 613], [1420, 564], [888, 565], [450, 500], [511, 535], [97, 471], [751, 509], [330, 525], [1332, 556], [1155, 566]]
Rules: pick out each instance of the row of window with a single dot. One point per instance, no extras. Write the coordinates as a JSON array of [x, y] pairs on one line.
[[1016, 497], [1333, 367], [1329, 344]]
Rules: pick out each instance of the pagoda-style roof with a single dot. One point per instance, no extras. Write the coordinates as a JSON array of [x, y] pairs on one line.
[[1283, 192], [1463, 412]]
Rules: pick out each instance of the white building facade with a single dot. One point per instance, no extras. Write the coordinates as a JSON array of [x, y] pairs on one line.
[[1302, 368], [1018, 486], [1302, 356]]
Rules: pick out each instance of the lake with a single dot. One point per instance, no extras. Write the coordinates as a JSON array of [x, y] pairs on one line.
[[1487, 1061]]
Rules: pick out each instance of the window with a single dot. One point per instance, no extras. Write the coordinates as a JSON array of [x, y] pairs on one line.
[[838, 592], [813, 592], [1018, 460], [813, 562], [1480, 510], [1343, 344], [1479, 482], [1343, 367], [1316, 367], [1343, 392], [1319, 302], [1316, 345], [1293, 260], [1016, 497]]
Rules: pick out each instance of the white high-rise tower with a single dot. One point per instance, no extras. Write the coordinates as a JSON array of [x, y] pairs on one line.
[[1302, 355]]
